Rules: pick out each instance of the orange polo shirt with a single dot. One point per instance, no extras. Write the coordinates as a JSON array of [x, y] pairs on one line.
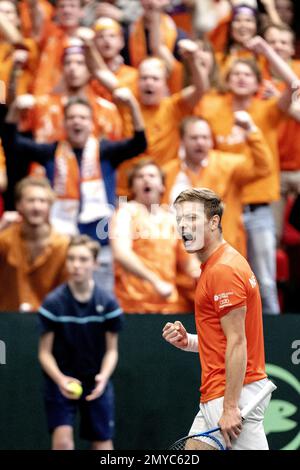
[[155, 241], [22, 281], [46, 119], [227, 283], [162, 131], [218, 110]]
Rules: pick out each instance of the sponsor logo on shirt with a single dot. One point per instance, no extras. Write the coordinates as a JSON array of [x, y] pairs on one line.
[[223, 299]]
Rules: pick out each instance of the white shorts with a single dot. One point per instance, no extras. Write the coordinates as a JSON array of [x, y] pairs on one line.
[[252, 437]]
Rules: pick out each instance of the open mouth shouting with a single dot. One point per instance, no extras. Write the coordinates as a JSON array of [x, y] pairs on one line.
[[187, 238]]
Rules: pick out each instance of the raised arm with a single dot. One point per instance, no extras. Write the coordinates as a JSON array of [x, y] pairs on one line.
[[16, 145], [272, 12], [259, 46], [9, 31], [200, 80], [156, 40], [98, 67], [260, 163], [118, 151]]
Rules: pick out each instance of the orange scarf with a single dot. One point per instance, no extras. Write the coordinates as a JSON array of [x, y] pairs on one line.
[[81, 195]]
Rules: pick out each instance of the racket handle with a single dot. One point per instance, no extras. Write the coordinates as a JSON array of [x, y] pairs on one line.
[[264, 392]]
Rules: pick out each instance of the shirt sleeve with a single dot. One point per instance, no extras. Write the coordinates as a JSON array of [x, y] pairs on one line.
[[46, 317], [227, 290], [118, 151], [16, 145], [114, 317]]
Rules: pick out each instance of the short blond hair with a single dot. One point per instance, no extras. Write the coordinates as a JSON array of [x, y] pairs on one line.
[[212, 203], [33, 181]]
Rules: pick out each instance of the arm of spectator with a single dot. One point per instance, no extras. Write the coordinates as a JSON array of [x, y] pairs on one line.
[[124, 96], [37, 16], [205, 16], [200, 80], [156, 42], [108, 10], [17, 145], [261, 163], [9, 31], [259, 46], [271, 11], [98, 67], [122, 247], [118, 151]]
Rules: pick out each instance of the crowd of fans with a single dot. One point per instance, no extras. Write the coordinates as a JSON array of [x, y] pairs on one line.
[[110, 109]]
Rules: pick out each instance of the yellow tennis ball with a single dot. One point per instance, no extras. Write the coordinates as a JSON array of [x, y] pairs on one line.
[[75, 388]]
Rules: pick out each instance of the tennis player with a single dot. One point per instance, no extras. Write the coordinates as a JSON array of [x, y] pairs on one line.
[[229, 338]]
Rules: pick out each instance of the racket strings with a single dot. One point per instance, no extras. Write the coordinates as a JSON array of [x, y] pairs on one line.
[[190, 443]]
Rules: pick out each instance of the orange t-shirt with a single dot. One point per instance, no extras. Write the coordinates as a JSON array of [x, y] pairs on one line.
[[289, 129], [227, 283], [24, 281], [218, 110], [154, 238], [162, 131], [46, 119]]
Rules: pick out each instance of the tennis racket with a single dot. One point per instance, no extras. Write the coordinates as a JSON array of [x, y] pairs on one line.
[[210, 439]]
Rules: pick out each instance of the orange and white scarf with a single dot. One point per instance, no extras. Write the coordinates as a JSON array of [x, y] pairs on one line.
[[81, 195]]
